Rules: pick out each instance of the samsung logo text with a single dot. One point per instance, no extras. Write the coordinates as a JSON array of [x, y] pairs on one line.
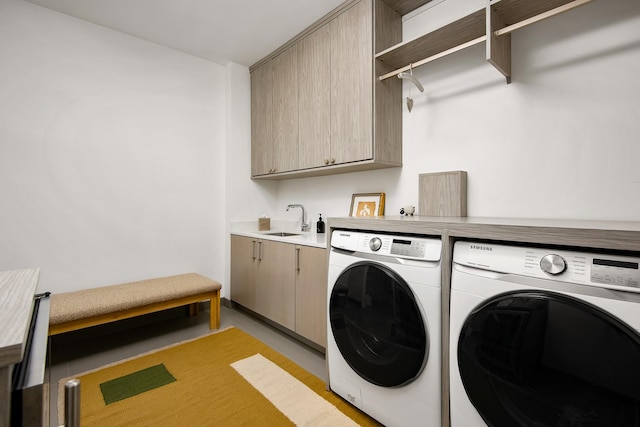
[[481, 248]]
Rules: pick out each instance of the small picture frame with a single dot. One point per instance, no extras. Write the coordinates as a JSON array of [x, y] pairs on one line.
[[367, 205]]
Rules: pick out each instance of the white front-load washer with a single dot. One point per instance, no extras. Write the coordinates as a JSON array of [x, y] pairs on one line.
[[544, 337], [383, 332]]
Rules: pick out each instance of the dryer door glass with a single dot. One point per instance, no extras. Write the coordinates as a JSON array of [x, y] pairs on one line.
[[547, 359], [377, 325]]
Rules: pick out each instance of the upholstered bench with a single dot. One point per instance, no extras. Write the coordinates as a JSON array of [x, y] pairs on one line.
[[71, 311]]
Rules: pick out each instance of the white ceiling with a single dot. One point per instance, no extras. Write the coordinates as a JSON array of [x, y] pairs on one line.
[[241, 31]]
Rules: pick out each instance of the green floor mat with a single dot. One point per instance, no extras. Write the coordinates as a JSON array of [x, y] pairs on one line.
[[133, 384]]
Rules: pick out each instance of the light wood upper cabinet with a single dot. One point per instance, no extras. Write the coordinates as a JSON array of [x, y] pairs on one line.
[[340, 128], [314, 99], [274, 115], [351, 84], [261, 120], [285, 110]]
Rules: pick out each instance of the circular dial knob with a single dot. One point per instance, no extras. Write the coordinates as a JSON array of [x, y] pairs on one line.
[[375, 244], [553, 264]]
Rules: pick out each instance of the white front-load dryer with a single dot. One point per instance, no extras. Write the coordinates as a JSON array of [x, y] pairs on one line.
[[544, 337], [384, 327]]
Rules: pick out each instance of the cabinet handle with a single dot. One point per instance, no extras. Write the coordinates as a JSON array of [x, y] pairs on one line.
[[333, 161], [298, 259], [259, 251], [253, 250], [326, 161]]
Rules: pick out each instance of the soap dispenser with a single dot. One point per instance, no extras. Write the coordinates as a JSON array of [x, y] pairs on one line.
[[320, 225]]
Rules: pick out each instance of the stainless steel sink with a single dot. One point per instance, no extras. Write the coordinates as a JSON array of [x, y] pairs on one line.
[[282, 234]]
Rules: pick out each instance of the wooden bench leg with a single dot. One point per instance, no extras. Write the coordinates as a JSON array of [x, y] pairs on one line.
[[193, 309], [214, 310]]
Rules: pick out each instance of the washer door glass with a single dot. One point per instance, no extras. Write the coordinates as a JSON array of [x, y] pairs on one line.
[[377, 325], [546, 359]]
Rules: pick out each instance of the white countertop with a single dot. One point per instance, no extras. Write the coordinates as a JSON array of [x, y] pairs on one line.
[[617, 235], [305, 238]]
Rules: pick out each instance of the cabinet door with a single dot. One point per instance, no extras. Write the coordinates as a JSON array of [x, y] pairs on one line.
[[261, 120], [276, 282], [244, 265], [314, 98], [311, 294], [285, 110], [351, 84]]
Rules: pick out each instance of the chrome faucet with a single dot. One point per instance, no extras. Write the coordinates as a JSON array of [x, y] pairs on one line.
[[304, 226]]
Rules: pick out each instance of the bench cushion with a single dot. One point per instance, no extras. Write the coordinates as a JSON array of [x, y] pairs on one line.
[[69, 306]]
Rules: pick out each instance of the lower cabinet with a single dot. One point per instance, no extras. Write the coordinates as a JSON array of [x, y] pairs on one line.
[[263, 278], [283, 282], [311, 294], [244, 271]]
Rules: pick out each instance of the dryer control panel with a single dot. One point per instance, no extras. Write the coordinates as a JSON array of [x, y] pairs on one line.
[[408, 247], [603, 270]]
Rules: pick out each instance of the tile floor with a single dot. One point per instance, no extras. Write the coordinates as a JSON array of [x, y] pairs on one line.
[[80, 351]]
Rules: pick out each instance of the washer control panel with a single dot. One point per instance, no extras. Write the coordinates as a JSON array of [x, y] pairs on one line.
[[408, 247], [612, 271]]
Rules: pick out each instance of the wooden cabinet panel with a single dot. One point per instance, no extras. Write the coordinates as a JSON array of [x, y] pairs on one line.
[[314, 98], [285, 111], [276, 284], [311, 294], [351, 84], [244, 264], [261, 120]]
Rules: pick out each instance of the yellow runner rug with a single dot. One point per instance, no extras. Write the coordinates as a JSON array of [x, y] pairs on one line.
[[227, 378]]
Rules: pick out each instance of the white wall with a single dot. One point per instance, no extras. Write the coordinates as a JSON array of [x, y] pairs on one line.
[[111, 154], [561, 141]]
